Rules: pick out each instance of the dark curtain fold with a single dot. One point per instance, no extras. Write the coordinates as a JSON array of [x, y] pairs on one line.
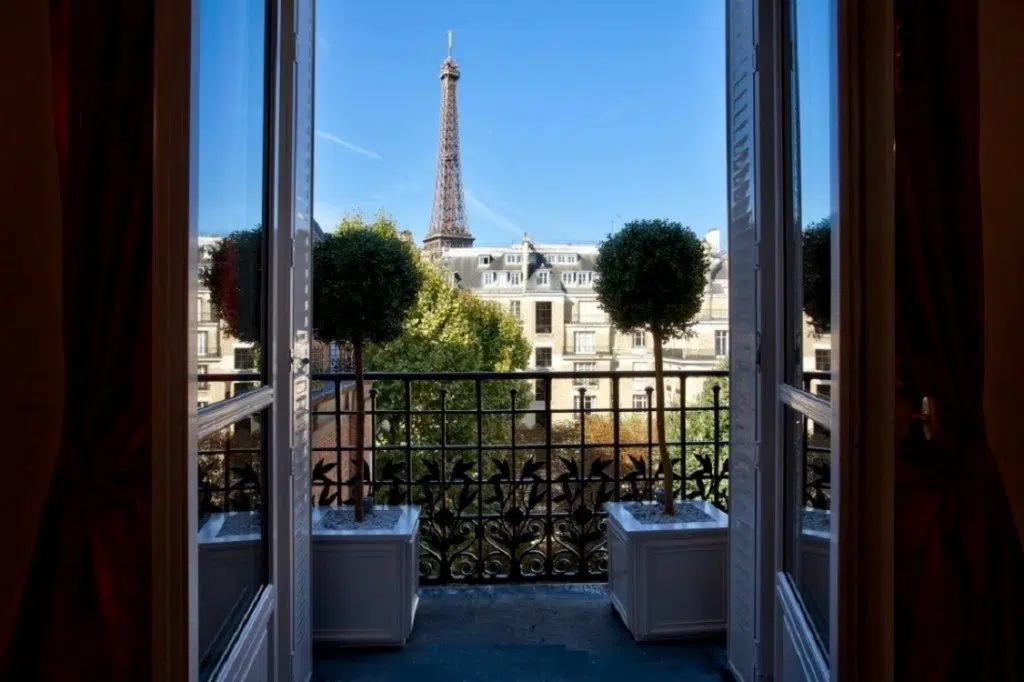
[[85, 614], [959, 564]]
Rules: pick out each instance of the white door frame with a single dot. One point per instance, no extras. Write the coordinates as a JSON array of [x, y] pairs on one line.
[[177, 425]]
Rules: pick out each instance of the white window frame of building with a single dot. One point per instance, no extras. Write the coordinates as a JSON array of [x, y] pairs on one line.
[[640, 401], [252, 357], [825, 353], [550, 359], [516, 308], [551, 317], [588, 402], [202, 343], [584, 343], [721, 343], [513, 259], [543, 278], [580, 367], [490, 278], [639, 340], [502, 278], [201, 383], [483, 261], [578, 278], [564, 258]]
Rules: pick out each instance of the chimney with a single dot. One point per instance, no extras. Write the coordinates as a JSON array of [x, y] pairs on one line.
[[713, 240], [527, 248]]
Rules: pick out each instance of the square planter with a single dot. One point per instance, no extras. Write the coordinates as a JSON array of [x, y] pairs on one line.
[[365, 579], [668, 580], [815, 548], [230, 552]]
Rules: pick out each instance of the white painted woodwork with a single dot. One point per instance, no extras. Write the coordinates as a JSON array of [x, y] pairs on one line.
[[800, 658], [366, 582], [668, 580]]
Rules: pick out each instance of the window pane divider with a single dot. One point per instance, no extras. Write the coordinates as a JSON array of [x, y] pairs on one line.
[[215, 417], [813, 407]]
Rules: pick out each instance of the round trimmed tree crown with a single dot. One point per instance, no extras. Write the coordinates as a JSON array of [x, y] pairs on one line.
[[652, 275], [364, 285]]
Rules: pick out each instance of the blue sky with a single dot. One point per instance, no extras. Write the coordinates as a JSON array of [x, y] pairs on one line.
[[575, 116]]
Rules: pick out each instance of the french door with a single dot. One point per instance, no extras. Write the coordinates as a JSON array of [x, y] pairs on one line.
[[251, 200], [810, 240]]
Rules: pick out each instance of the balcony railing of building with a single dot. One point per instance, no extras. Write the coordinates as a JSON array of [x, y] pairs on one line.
[[692, 352], [505, 496]]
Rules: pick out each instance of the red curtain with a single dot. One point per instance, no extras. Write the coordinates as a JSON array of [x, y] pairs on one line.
[[959, 566], [85, 610]]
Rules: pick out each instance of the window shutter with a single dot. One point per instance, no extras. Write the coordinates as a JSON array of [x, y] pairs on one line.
[[741, 114]]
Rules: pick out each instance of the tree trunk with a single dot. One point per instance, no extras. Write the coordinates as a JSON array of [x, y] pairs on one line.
[[357, 493], [659, 389]]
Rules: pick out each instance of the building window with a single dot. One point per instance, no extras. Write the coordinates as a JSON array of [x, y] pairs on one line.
[[490, 279], [241, 387], [543, 278], [540, 392], [588, 403], [542, 357], [505, 278], [639, 340], [516, 309], [203, 343], [542, 320], [583, 342], [640, 401], [563, 258], [483, 261], [721, 342], [513, 259], [202, 384], [823, 359], [579, 367], [244, 358], [578, 278]]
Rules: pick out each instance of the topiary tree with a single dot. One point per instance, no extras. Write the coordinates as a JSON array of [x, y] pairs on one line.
[[235, 280], [652, 275], [817, 260], [364, 284]]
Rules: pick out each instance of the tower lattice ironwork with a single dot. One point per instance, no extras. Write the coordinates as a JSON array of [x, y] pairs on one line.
[[448, 226]]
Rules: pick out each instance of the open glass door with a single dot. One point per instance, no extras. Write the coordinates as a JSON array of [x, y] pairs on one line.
[[807, 325]]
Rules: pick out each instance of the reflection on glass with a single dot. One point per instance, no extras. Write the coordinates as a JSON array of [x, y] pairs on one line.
[[808, 246], [232, 532], [809, 517], [230, 181]]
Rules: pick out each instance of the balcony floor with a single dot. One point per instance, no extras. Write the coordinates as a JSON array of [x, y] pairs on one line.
[[523, 633]]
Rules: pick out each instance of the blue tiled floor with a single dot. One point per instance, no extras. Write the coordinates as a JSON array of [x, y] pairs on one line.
[[542, 633]]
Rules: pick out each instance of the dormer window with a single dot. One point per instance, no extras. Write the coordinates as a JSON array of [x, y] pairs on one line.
[[513, 259], [578, 278], [563, 258], [543, 278], [503, 279], [483, 261]]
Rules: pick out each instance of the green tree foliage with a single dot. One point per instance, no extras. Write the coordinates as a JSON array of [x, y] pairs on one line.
[[235, 280], [652, 275], [447, 330], [365, 283], [817, 274], [706, 475]]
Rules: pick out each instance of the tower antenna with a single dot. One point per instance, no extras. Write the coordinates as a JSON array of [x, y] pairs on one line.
[[449, 44]]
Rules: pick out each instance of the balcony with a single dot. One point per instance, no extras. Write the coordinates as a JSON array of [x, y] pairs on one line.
[[513, 524]]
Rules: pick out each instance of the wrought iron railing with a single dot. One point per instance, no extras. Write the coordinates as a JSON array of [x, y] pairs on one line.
[[817, 453], [504, 497]]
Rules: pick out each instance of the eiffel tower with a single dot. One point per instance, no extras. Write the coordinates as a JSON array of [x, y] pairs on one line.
[[448, 226]]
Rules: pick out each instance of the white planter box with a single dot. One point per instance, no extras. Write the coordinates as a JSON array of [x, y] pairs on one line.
[[668, 580], [228, 569], [366, 582]]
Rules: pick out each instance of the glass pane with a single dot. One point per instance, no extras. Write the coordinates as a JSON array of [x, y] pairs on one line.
[[231, 192], [808, 244], [808, 518], [233, 557]]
